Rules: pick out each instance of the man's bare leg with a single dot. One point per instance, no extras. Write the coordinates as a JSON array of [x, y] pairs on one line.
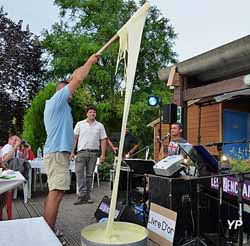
[[51, 207]]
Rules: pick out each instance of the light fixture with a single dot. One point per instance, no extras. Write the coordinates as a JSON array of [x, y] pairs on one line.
[[185, 161], [153, 101], [225, 162], [223, 158], [246, 79]]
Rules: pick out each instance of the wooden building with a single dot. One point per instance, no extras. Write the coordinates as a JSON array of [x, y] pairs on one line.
[[213, 90]]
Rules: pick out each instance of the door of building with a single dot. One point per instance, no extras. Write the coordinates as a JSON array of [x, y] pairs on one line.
[[235, 128]]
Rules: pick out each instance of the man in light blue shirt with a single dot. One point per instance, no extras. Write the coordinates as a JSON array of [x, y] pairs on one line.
[[58, 122], [59, 144]]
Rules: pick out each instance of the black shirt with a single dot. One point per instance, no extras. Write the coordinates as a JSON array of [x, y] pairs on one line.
[[129, 142]]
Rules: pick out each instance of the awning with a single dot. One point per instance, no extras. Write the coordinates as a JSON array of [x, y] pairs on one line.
[[231, 95]]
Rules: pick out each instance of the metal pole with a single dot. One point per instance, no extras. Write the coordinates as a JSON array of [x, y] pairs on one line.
[[160, 126]]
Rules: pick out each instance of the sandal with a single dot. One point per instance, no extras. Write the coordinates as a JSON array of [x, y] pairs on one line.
[[58, 233]]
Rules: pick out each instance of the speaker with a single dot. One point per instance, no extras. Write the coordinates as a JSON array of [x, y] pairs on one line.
[[169, 113], [178, 195], [126, 213]]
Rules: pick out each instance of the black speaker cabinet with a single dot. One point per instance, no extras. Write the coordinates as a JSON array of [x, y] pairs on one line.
[[169, 113], [178, 195]]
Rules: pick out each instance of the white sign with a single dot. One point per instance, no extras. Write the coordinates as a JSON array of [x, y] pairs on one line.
[[161, 224]]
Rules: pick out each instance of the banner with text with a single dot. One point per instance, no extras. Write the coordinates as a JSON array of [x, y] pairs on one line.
[[230, 186]]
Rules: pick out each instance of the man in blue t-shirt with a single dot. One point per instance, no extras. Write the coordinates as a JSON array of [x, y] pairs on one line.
[[59, 144]]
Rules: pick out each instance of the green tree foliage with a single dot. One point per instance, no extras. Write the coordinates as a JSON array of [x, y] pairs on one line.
[[34, 131], [85, 26], [80, 101], [20, 73], [6, 117]]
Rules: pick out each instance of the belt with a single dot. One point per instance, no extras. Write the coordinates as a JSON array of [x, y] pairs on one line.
[[89, 150]]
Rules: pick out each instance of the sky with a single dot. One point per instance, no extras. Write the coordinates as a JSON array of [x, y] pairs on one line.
[[201, 25]]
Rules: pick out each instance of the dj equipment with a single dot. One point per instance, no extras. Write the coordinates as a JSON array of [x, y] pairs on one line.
[[139, 166], [169, 113], [208, 160], [132, 169], [228, 207], [202, 159], [132, 179], [122, 212], [169, 165], [103, 209], [203, 212]]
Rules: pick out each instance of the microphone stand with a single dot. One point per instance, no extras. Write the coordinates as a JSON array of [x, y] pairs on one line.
[[197, 240], [145, 148], [220, 185], [240, 178]]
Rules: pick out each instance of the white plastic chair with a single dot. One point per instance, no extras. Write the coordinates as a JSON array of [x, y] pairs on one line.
[[39, 172], [97, 176], [96, 173], [25, 192]]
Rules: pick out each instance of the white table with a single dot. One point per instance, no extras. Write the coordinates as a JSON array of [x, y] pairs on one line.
[[10, 184], [39, 164], [28, 232]]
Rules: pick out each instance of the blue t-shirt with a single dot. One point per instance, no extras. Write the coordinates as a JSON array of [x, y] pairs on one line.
[[58, 123]]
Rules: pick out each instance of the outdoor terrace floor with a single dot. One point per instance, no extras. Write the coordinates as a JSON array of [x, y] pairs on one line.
[[71, 219]]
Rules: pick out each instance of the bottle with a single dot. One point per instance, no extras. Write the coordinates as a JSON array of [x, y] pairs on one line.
[[39, 154]]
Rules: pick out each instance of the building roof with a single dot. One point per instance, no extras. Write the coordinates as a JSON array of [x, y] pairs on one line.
[[154, 122], [224, 62]]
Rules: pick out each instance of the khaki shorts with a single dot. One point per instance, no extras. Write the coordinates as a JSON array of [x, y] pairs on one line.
[[57, 170]]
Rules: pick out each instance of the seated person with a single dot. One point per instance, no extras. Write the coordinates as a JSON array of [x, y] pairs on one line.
[[10, 156], [25, 151], [4, 196], [9, 150]]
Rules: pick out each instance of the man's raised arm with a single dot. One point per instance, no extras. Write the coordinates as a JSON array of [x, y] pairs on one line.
[[81, 73]]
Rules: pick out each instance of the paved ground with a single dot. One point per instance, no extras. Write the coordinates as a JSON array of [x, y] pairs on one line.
[[71, 218]]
